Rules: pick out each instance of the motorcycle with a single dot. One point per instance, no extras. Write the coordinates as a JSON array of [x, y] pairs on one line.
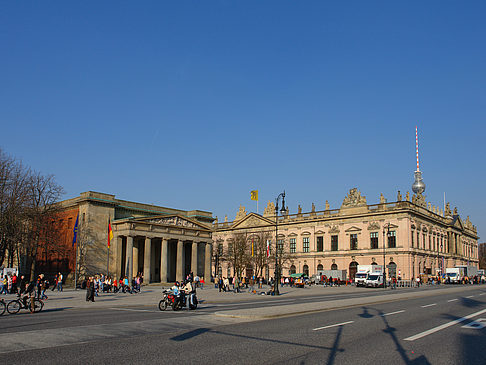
[[179, 301]]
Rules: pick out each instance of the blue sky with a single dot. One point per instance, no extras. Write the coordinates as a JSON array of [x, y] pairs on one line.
[[193, 104]]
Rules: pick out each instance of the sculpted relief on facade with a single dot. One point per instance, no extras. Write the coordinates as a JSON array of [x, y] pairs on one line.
[[174, 221], [354, 199]]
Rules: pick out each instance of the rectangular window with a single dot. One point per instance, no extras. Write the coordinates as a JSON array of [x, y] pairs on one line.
[[418, 239], [220, 249], [292, 245], [423, 241], [433, 244], [320, 243], [280, 244], [392, 239], [353, 241], [413, 237], [305, 245], [374, 239], [430, 243], [334, 243], [230, 249]]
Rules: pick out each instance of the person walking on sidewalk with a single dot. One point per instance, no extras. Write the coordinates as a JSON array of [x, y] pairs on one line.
[[59, 282]]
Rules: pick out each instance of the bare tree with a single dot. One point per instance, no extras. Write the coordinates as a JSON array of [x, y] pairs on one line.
[[237, 253], [258, 258], [43, 194]]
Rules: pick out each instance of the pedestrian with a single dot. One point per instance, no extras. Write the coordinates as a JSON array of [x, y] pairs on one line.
[[90, 290], [45, 286], [40, 280], [59, 282], [55, 283]]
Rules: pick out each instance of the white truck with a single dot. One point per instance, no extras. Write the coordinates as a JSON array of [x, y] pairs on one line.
[[469, 270], [454, 275], [363, 271]]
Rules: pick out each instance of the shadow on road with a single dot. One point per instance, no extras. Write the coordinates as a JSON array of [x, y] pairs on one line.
[[190, 334], [391, 332]]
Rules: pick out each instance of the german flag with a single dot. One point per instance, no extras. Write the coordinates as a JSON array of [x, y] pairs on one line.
[[110, 233]]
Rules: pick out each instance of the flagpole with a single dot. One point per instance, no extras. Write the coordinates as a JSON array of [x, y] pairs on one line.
[[76, 267], [108, 251]]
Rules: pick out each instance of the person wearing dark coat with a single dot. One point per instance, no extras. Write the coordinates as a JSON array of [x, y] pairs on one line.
[[90, 290]]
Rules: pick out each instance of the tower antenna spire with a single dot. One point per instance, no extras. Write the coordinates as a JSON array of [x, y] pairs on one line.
[[416, 147], [418, 186]]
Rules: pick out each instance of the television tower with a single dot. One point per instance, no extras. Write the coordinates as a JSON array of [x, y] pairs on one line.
[[418, 186]]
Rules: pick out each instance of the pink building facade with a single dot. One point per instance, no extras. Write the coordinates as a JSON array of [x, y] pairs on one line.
[[412, 237]]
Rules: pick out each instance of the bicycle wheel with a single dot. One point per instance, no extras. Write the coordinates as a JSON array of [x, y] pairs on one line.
[[38, 305], [14, 306], [163, 305], [3, 307]]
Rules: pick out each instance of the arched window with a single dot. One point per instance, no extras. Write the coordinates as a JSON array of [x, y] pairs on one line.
[[334, 267], [292, 269], [306, 270], [320, 267]]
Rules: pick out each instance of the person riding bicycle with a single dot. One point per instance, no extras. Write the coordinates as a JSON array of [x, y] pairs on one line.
[[28, 291]]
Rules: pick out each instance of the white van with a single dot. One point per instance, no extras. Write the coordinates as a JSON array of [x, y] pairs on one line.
[[374, 280]]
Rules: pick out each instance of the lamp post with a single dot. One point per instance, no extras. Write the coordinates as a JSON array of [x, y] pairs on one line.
[[277, 271], [387, 226]]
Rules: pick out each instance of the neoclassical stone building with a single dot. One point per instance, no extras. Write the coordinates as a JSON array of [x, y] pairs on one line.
[[419, 238], [164, 244]]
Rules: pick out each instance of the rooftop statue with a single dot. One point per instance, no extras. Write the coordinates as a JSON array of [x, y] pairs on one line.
[[354, 199], [241, 213]]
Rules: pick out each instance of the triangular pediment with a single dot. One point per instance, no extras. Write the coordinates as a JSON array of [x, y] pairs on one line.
[[253, 220], [173, 220], [353, 229], [458, 222]]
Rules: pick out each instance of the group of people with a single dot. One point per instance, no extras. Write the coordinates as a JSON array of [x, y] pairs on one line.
[[12, 284], [106, 284]]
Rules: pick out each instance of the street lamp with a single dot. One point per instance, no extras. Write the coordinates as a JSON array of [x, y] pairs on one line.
[[282, 211], [387, 226]]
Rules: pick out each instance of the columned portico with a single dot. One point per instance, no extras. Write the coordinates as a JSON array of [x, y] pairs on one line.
[[129, 257], [147, 269], [180, 260], [164, 249]]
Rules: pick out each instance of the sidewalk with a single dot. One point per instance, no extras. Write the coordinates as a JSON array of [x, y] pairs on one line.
[[151, 295]]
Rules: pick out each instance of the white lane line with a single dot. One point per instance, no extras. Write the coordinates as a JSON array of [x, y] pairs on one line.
[[441, 327], [332, 325], [392, 313], [482, 293], [428, 305], [133, 310], [471, 296], [452, 300]]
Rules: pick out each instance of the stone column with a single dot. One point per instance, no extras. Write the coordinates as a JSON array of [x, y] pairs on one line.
[[194, 258], [118, 255], [163, 260], [135, 258], [180, 261], [207, 264], [146, 260], [129, 262]]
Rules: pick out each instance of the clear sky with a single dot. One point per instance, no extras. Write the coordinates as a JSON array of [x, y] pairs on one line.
[[192, 104]]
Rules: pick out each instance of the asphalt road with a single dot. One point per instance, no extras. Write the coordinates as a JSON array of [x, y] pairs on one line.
[[437, 329]]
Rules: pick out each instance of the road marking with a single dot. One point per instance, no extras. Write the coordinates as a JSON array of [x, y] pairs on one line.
[[133, 310], [332, 325], [443, 326], [478, 324], [392, 313], [470, 296], [452, 300], [482, 293], [429, 305]]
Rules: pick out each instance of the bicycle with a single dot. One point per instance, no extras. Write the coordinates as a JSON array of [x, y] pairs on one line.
[[16, 305], [3, 307]]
